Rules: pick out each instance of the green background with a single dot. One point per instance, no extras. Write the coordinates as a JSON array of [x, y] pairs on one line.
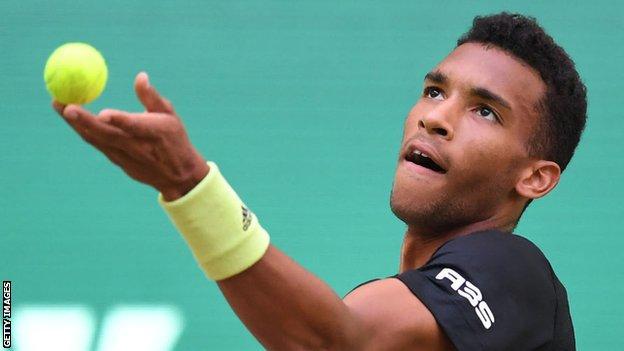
[[302, 105]]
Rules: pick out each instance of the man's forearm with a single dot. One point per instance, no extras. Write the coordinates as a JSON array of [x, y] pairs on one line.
[[282, 304], [287, 308]]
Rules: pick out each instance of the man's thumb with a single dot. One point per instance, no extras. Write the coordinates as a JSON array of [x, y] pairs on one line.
[[149, 97]]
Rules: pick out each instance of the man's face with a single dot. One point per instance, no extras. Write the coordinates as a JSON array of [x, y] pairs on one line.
[[474, 117]]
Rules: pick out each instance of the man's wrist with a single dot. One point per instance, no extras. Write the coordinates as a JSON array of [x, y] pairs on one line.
[[176, 191], [223, 234]]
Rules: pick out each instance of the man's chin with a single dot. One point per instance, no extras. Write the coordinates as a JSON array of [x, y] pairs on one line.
[[427, 214], [410, 212]]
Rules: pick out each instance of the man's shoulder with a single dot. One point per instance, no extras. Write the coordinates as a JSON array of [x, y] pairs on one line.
[[500, 262], [490, 288], [485, 239], [492, 249]]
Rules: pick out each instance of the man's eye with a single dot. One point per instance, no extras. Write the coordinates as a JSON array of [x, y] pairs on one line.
[[433, 93], [487, 113]]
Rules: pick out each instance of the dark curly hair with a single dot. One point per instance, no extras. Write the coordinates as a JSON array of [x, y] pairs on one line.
[[563, 109]]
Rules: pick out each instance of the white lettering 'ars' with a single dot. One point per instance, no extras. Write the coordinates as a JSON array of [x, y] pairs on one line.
[[485, 314], [456, 279], [471, 293]]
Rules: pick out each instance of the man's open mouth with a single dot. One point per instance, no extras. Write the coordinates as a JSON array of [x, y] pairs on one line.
[[422, 159]]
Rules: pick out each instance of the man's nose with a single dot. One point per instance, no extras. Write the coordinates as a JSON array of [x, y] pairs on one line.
[[439, 121]]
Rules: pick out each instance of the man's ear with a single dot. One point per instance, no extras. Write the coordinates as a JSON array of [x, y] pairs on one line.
[[538, 179]]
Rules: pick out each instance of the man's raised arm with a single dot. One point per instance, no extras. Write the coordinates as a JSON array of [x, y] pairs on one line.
[[282, 304]]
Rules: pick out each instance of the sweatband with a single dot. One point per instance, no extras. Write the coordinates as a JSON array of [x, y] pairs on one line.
[[223, 234]]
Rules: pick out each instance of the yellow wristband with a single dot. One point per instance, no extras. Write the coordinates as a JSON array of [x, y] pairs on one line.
[[223, 234]]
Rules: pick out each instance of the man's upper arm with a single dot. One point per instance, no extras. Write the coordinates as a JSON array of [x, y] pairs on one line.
[[392, 318]]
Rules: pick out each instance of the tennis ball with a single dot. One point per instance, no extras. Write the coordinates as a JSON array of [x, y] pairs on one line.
[[75, 73]]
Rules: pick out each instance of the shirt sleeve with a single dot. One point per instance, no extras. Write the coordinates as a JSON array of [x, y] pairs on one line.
[[488, 291]]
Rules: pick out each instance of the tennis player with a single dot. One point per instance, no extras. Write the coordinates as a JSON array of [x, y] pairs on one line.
[[497, 122]]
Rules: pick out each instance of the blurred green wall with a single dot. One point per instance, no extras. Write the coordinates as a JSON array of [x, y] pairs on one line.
[[302, 105]]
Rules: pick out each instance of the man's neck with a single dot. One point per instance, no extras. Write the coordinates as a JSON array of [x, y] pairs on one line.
[[417, 248]]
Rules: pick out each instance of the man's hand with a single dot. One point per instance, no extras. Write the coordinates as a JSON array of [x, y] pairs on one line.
[[152, 147]]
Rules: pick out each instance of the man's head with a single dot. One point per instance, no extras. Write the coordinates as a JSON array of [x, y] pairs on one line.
[[499, 118]]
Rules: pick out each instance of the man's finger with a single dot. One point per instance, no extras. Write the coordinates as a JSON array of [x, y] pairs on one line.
[[92, 129], [106, 114], [149, 97], [58, 107], [132, 124]]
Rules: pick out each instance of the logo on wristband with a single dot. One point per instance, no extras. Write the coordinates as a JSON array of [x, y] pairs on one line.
[[247, 217]]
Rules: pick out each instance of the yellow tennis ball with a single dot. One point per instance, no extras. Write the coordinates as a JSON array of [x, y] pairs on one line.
[[75, 73]]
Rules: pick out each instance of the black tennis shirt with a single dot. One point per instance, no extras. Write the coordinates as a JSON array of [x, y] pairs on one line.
[[492, 290]]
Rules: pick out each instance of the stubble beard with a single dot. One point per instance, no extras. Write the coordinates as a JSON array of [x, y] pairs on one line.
[[431, 218]]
